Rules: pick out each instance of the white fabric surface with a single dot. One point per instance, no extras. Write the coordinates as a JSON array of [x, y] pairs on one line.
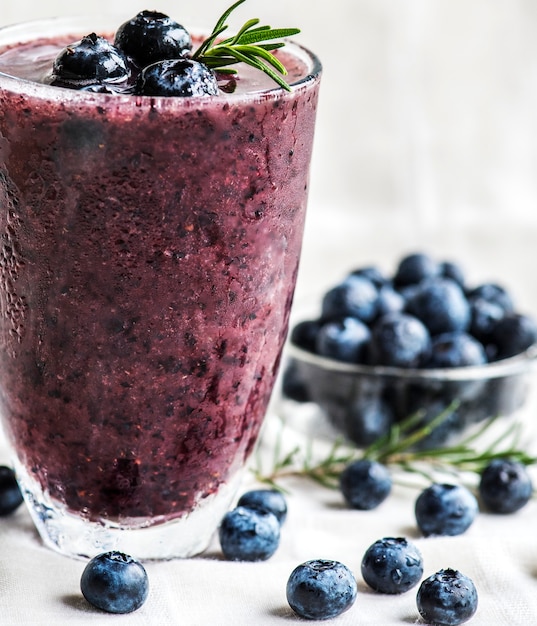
[[38, 586]]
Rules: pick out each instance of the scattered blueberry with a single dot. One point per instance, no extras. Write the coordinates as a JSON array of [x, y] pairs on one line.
[[354, 297], [344, 340], [115, 582], [445, 509], [321, 589], [90, 61], [10, 493], [505, 486], [179, 78], [456, 349], [447, 598], [249, 534], [513, 334], [268, 499], [392, 565], [400, 340], [441, 305], [415, 268], [365, 484], [151, 36]]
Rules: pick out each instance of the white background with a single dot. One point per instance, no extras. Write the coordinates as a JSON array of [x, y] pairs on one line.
[[427, 127]]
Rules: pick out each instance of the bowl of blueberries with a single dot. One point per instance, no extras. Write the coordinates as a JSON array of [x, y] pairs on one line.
[[421, 342]]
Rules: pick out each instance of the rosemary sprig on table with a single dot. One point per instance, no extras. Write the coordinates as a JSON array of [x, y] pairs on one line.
[[399, 449], [245, 47]]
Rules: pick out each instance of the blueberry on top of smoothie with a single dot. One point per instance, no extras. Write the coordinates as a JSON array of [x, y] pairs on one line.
[[151, 36], [152, 55], [91, 60], [180, 77]]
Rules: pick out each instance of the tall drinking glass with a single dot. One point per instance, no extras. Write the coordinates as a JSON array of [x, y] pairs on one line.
[[148, 254]]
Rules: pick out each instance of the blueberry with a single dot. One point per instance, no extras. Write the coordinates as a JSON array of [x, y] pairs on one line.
[[441, 305], [293, 384], [268, 499], [456, 349], [365, 484], [10, 493], [447, 598], [453, 271], [356, 297], [484, 316], [372, 273], [444, 509], [392, 565], [345, 340], [321, 589], [115, 582], [304, 334], [415, 268], [106, 88], [151, 36], [90, 61], [180, 77], [399, 340], [389, 301], [491, 292], [249, 534], [369, 417], [513, 334], [505, 486]]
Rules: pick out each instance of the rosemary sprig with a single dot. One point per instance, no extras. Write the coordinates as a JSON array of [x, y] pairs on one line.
[[398, 450], [245, 47]]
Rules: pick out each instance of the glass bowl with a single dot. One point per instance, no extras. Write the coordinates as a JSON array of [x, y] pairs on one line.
[[328, 398]]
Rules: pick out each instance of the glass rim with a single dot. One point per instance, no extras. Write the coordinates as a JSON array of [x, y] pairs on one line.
[[23, 32], [517, 364]]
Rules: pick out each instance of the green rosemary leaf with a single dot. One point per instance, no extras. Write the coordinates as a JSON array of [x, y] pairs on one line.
[[199, 54], [221, 22], [264, 34], [241, 47], [289, 458], [245, 27], [399, 449]]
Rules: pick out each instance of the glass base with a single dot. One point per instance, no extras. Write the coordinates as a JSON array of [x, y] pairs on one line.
[[77, 537]]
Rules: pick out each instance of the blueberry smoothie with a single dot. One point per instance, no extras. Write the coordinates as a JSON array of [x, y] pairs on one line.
[[149, 251]]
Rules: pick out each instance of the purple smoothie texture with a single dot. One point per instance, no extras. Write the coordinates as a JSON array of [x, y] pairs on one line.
[[149, 252]]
